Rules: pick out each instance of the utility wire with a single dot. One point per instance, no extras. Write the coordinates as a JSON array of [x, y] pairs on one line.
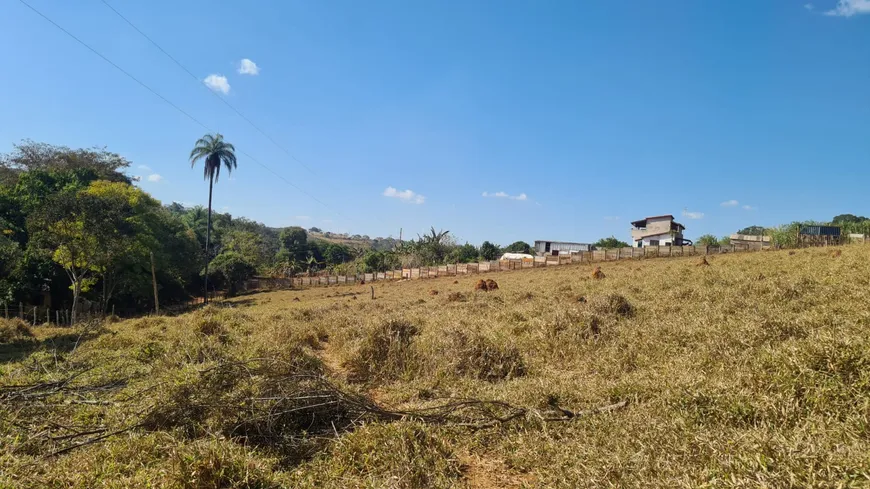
[[200, 82], [170, 103]]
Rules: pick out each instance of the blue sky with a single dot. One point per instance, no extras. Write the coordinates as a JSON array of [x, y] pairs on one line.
[[573, 118]]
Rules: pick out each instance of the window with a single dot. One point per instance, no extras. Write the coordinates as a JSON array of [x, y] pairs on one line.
[[653, 242], [547, 247]]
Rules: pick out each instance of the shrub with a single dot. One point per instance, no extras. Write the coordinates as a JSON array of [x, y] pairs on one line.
[[479, 357], [386, 352], [12, 330], [614, 304]]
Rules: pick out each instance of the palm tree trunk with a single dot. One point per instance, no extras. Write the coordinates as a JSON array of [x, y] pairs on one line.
[[208, 236]]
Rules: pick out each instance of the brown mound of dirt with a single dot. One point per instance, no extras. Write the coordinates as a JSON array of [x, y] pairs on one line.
[[455, 297], [433, 292], [790, 253], [455, 282], [491, 284], [836, 253], [295, 299], [581, 299], [597, 273], [480, 285], [703, 262]]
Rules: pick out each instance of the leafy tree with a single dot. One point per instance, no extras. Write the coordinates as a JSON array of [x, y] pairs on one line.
[[250, 246], [294, 241], [519, 247], [314, 229], [707, 240], [335, 254], [848, 219], [466, 253], [81, 230], [230, 270], [489, 251], [725, 241], [609, 243], [752, 231], [30, 156], [216, 152]]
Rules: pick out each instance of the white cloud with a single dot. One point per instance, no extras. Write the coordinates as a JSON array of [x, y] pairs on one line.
[[748, 208], [155, 177], [692, 215], [405, 195], [302, 218], [218, 83], [729, 203], [248, 67], [848, 8], [144, 167], [504, 195], [808, 6], [611, 218]]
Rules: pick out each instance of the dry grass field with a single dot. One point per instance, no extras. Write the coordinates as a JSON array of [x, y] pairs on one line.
[[752, 371]]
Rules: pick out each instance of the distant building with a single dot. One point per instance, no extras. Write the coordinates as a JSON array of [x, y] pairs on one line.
[[555, 248], [658, 231], [815, 235], [750, 242]]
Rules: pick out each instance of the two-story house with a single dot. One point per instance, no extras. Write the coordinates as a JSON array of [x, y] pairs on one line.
[[656, 231]]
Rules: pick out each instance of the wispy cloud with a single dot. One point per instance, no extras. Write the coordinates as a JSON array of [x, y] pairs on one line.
[[748, 208], [144, 167], [302, 218], [248, 67], [218, 83], [611, 218], [848, 8], [809, 6], [155, 178], [505, 195], [692, 215], [405, 195], [730, 203]]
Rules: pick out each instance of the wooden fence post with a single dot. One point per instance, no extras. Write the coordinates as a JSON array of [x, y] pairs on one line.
[[57, 317], [34, 315]]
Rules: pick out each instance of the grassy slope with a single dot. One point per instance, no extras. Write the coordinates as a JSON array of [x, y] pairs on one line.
[[753, 371]]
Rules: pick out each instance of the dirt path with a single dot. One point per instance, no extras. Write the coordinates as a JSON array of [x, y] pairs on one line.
[[484, 472]]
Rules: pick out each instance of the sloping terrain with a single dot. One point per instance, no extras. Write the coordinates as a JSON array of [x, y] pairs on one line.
[[752, 371]]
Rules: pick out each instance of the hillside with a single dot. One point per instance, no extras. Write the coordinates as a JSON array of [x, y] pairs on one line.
[[753, 371]]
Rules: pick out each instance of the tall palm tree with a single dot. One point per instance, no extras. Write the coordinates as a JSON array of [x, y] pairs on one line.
[[216, 152]]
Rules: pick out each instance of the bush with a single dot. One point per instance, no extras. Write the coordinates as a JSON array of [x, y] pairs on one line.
[[479, 357], [12, 330], [386, 352], [614, 304]]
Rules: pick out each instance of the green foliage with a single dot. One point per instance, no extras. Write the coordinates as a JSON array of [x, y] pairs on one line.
[[609, 243], [294, 242], [216, 152], [725, 241], [848, 219], [313, 229], [519, 247], [752, 231], [489, 251], [707, 240], [466, 253], [230, 270]]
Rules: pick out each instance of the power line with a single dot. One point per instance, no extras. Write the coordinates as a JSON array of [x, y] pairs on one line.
[[200, 82], [170, 103]]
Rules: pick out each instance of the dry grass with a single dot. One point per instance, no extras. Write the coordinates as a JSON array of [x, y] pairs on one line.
[[753, 372]]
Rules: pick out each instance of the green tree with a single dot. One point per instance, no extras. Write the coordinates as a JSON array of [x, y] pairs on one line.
[[294, 241], [752, 231], [519, 247], [250, 245], [336, 254], [230, 270], [609, 243], [725, 241], [707, 240], [216, 152], [81, 230], [489, 251], [466, 253]]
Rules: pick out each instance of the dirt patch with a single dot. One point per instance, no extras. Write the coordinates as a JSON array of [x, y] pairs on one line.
[[703, 262], [597, 274], [491, 285], [455, 297], [480, 285], [433, 292], [484, 472], [836, 253]]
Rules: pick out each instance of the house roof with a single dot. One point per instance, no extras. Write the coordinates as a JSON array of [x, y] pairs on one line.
[[642, 223]]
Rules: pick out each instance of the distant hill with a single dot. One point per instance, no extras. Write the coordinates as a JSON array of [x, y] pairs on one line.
[[355, 240]]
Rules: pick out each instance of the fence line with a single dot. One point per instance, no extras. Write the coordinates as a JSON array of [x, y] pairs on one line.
[[458, 269]]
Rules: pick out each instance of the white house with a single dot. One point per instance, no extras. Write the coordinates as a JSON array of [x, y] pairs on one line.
[[658, 231]]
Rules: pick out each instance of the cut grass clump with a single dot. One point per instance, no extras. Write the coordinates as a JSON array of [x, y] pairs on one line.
[[396, 455], [482, 358], [614, 304], [214, 465], [386, 352], [14, 330]]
